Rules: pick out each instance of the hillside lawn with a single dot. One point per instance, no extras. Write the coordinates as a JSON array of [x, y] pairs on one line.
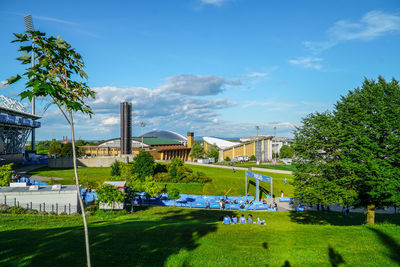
[[161, 236], [224, 181]]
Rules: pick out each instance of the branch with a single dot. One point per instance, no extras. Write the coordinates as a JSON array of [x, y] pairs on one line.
[[62, 111]]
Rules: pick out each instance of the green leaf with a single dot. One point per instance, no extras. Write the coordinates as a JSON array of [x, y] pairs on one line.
[[13, 79]]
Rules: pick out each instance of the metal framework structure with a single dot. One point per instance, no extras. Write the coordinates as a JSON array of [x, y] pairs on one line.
[[15, 126]]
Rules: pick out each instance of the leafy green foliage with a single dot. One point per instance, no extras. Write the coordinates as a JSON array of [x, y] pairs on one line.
[[52, 75], [286, 152], [227, 159], [16, 210], [6, 171], [67, 151], [197, 150], [110, 194], [352, 155], [116, 168], [173, 194], [213, 152], [173, 167], [253, 158], [151, 187], [144, 164]]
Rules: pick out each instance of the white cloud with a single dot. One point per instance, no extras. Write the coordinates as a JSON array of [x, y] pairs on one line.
[[257, 74], [213, 2], [308, 62], [197, 85], [372, 25], [3, 85]]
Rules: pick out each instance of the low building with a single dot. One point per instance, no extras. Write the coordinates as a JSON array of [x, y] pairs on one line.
[[159, 147], [260, 148], [56, 198]]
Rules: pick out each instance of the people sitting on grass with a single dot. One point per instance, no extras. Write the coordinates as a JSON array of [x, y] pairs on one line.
[[250, 219], [242, 219], [227, 220], [259, 221], [234, 219]]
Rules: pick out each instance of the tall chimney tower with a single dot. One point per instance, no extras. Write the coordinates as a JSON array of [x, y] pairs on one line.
[[190, 139], [126, 128]]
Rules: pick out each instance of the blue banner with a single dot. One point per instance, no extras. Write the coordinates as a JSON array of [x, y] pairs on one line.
[[259, 177]]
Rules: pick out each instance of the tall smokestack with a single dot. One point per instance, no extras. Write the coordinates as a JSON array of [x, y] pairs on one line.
[[190, 139], [126, 128]]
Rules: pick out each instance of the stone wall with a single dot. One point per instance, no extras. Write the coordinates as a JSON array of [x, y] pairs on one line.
[[67, 162]]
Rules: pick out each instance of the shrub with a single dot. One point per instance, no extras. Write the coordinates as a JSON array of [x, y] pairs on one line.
[[160, 168], [92, 208], [144, 165], [52, 213], [227, 159], [4, 207], [116, 168], [108, 194], [173, 194], [16, 210], [253, 158], [43, 213], [63, 213], [162, 177], [32, 211]]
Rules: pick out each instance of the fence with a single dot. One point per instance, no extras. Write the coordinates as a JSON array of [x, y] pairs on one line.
[[67, 208]]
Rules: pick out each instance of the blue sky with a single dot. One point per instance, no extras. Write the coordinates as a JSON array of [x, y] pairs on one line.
[[214, 67]]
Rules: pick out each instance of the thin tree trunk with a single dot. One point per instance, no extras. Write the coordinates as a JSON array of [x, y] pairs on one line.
[[79, 192], [371, 214]]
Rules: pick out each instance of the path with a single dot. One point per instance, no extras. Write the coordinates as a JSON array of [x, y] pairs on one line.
[[240, 168]]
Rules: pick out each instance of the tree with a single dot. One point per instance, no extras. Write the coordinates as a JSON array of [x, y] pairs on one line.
[[173, 167], [197, 151], [68, 151], [59, 75], [110, 194], [144, 164], [6, 171], [352, 155], [253, 158], [116, 168], [286, 152], [213, 152]]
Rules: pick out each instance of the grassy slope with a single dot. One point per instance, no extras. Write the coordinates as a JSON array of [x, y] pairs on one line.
[[184, 237], [224, 180]]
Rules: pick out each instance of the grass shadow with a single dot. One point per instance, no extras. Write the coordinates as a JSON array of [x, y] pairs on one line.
[[337, 218], [123, 242], [390, 243]]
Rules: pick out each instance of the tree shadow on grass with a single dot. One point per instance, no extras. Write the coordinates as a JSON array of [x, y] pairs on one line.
[[125, 242], [337, 218], [391, 244], [334, 257]]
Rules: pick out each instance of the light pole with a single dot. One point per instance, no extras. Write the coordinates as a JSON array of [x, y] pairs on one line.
[[142, 125], [29, 27], [257, 128], [275, 145]]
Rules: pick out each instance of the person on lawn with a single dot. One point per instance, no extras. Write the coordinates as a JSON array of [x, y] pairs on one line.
[[250, 219], [242, 219], [234, 219], [227, 220]]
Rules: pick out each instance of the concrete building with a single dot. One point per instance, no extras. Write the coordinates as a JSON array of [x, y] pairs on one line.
[[260, 148], [57, 198], [279, 143]]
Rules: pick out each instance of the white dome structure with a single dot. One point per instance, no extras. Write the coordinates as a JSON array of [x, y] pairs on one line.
[[220, 143]]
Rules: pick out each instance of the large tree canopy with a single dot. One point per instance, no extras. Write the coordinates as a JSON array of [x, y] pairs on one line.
[[352, 155]]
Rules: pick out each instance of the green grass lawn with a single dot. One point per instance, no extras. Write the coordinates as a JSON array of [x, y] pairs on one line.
[[275, 167], [160, 236], [224, 181]]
